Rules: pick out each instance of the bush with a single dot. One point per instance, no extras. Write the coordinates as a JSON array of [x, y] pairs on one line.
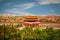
[[9, 32]]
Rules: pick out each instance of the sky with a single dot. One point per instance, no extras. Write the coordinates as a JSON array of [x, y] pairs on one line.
[[30, 7]]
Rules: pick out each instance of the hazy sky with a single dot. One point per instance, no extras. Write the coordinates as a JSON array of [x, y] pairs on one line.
[[30, 7]]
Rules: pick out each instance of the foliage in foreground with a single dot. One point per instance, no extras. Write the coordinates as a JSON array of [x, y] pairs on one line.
[[13, 33]]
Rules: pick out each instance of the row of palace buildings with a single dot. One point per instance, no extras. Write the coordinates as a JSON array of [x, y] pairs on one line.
[[50, 18], [29, 20]]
